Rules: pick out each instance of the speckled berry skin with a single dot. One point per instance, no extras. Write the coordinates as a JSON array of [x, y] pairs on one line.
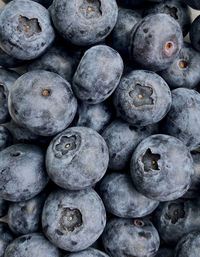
[[122, 139], [7, 80], [90, 252], [25, 33], [177, 218], [183, 119], [84, 22], [24, 217], [162, 168], [165, 252], [31, 245], [49, 106], [142, 98], [128, 237], [73, 220], [5, 138], [121, 198], [184, 71], [156, 41], [189, 245], [3, 207], [22, 173], [6, 237], [194, 33], [77, 158], [98, 74]]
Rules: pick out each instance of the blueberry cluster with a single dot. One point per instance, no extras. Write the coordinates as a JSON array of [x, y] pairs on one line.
[[99, 128]]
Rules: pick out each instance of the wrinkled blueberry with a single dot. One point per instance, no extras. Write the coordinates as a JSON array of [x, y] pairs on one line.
[[42, 102], [5, 138], [73, 220], [77, 158], [162, 168], [98, 74], [142, 98], [22, 173], [195, 33], [6, 237], [90, 252]]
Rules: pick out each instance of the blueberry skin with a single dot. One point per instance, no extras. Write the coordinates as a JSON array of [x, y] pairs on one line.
[[142, 98], [96, 116], [22, 173], [7, 80], [184, 71], [165, 252], [128, 237], [45, 3], [183, 119], [5, 138], [84, 22], [177, 218], [90, 252], [153, 46], [122, 139], [188, 246], [176, 9], [3, 207], [121, 198], [25, 33], [194, 33], [7, 61], [31, 245], [49, 106], [57, 59], [130, 3], [73, 220], [162, 168], [77, 158], [98, 74], [195, 4], [24, 217], [121, 35], [6, 237]]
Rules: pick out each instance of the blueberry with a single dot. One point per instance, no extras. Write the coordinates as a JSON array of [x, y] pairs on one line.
[[5, 138], [176, 9], [7, 80], [6, 237], [121, 198], [25, 29], [57, 59], [96, 116], [153, 46], [194, 33], [3, 208], [24, 217], [98, 74], [73, 220], [45, 3], [165, 252], [142, 98], [84, 22], [7, 61], [189, 245], [22, 174], [33, 245], [128, 237], [183, 119], [195, 4], [77, 158], [121, 35], [122, 139], [42, 102], [184, 71], [90, 252], [162, 168]]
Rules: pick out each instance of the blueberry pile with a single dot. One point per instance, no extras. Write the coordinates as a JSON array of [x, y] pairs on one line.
[[99, 128]]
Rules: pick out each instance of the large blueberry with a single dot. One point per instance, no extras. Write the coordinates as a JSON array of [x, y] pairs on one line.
[[84, 22], [129, 237], [5, 138], [142, 98], [6, 237], [77, 158], [3, 207], [183, 119], [153, 46], [42, 102], [90, 252], [73, 220], [121, 198], [98, 74], [31, 245], [162, 168], [22, 173], [195, 33]]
